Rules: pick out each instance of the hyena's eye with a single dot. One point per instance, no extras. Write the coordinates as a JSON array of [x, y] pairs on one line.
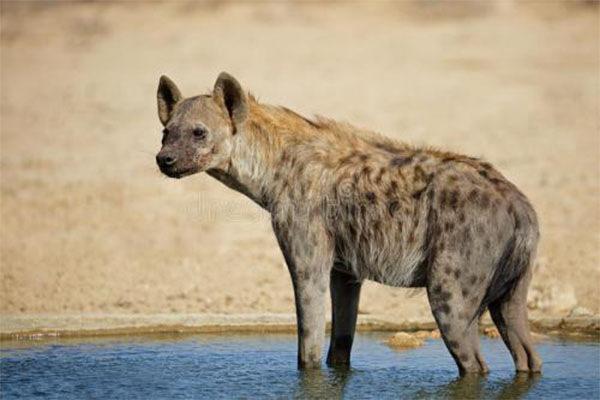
[[199, 133]]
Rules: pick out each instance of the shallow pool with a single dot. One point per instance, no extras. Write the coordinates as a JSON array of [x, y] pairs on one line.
[[249, 366]]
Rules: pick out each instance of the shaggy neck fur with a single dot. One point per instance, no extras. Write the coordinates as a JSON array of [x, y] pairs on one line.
[[258, 147]]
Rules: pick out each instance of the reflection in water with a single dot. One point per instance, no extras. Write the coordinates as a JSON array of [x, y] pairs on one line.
[[322, 384], [468, 387], [331, 384], [477, 387], [519, 386]]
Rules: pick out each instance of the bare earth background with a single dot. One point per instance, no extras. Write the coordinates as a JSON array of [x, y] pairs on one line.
[[89, 225]]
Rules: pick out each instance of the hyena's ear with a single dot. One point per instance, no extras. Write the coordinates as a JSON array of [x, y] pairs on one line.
[[229, 94], [168, 95]]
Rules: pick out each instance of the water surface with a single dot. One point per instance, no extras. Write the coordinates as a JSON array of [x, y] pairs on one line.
[[252, 366]]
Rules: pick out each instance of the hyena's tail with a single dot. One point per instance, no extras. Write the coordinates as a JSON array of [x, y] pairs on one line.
[[517, 260]]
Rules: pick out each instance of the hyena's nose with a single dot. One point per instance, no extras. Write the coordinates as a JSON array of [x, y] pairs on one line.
[[165, 160]]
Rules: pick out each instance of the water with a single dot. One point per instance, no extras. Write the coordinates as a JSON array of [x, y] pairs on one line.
[[251, 366]]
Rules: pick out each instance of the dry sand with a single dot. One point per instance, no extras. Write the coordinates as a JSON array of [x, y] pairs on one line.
[[89, 225]]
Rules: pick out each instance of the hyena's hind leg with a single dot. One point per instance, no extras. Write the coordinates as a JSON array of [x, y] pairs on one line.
[[345, 295], [509, 313], [456, 286], [455, 312]]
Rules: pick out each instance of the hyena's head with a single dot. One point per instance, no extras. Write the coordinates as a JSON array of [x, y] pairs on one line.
[[198, 131]]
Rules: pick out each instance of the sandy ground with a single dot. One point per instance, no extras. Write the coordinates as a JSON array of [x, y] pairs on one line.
[[89, 225]]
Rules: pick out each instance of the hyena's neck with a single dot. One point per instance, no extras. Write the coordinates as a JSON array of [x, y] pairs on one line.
[[259, 150]]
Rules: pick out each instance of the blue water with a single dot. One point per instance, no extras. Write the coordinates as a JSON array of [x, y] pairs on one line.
[[250, 366]]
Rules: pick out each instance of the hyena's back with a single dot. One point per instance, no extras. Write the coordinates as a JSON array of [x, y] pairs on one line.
[[398, 215]]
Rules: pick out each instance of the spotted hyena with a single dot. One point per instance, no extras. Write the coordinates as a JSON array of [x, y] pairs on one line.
[[349, 205]]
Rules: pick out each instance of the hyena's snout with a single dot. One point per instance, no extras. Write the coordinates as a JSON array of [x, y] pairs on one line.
[[166, 161]]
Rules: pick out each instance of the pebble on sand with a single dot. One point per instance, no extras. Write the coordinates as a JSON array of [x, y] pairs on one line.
[[435, 334], [491, 332], [403, 340]]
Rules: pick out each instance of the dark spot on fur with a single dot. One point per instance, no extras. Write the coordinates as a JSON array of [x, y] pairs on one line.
[[436, 289], [449, 226], [448, 270], [302, 188], [444, 198], [484, 173], [352, 231], [371, 197], [473, 195], [363, 157], [393, 207], [430, 195], [465, 292], [466, 235], [302, 275], [417, 195], [380, 174], [453, 343], [393, 189], [473, 279], [485, 200], [306, 330], [444, 327], [366, 170], [444, 308], [445, 296], [511, 209], [487, 244], [453, 198], [440, 246], [377, 225], [457, 273], [400, 161]]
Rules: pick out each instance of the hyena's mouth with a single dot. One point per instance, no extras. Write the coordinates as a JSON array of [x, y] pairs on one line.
[[177, 173]]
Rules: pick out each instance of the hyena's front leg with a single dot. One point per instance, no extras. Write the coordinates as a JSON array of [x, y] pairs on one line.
[[345, 295], [309, 255]]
